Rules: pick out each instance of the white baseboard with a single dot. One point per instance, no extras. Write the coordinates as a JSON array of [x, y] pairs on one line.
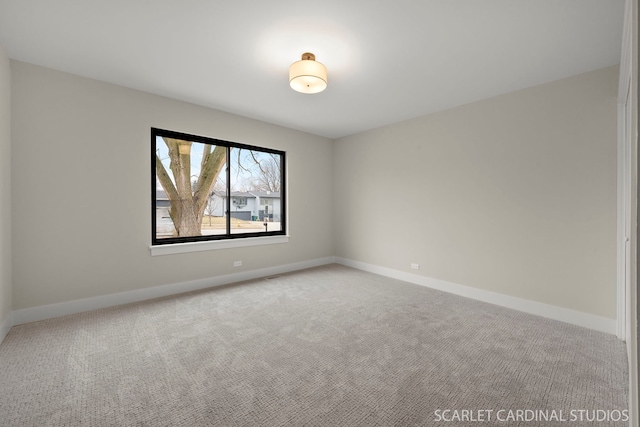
[[566, 315], [44, 312], [34, 314], [6, 326]]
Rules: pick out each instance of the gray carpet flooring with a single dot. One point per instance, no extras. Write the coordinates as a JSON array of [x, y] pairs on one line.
[[329, 346]]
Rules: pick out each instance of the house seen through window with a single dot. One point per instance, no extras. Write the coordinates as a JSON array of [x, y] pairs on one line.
[[210, 189]]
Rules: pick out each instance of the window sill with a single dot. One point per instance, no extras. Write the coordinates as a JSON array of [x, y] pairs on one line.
[[181, 248]]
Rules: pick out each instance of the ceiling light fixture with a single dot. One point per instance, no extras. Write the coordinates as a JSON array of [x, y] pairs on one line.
[[307, 75]]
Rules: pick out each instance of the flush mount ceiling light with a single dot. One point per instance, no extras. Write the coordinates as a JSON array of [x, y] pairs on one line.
[[307, 75]]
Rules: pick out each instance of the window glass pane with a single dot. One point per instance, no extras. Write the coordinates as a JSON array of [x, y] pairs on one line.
[[256, 178], [188, 174]]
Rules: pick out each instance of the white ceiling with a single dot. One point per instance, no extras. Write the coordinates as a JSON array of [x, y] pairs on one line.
[[387, 60]]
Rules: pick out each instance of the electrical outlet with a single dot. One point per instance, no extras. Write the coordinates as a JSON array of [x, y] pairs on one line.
[[237, 263], [415, 266]]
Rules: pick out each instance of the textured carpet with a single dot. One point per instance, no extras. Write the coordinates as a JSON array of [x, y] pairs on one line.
[[329, 346]]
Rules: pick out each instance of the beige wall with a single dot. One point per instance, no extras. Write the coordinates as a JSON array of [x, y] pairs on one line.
[[5, 188], [81, 186], [514, 194]]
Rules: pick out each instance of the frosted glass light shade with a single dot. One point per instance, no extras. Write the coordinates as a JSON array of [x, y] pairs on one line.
[[307, 75]]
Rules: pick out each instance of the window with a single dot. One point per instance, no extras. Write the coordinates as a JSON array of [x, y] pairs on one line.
[[208, 189], [239, 201]]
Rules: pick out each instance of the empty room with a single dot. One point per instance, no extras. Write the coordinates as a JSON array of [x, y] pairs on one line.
[[408, 213]]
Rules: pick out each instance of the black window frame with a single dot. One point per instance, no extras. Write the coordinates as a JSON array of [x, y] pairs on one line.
[[157, 132]]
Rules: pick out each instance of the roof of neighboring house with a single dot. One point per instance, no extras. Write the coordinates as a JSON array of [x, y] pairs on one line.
[[266, 194], [162, 195], [251, 194]]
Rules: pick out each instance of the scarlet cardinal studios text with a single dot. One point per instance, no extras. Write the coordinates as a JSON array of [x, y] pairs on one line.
[[533, 415]]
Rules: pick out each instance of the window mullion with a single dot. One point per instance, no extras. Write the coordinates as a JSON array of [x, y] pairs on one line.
[[228, 213]]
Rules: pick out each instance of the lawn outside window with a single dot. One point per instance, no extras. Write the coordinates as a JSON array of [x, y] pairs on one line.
[[211, 190]]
